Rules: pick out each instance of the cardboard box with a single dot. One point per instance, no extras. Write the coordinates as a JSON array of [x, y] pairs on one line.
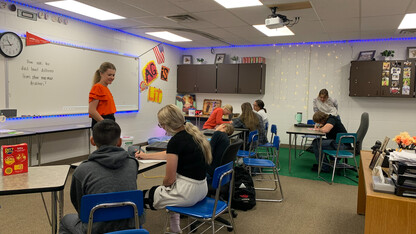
[[14, 159]]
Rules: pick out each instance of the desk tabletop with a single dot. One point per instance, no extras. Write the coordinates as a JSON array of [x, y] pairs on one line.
[[37, 179], [301, 130], [366, 157], [144, 165], [59, 128], [16, 133]]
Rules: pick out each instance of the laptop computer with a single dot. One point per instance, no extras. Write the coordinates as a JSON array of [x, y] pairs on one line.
[[303, 125], [157, 146]]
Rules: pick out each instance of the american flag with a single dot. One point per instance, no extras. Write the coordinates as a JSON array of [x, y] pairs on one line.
[[159, 53]]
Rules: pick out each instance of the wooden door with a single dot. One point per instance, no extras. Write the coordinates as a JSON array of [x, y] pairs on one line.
[[227, 78], [206, 81], [186, 79], [251, 78]]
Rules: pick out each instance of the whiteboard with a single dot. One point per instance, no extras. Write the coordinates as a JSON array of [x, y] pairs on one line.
[[54, 79]]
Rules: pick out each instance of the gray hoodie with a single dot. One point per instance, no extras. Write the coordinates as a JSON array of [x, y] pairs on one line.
[[108, 169]]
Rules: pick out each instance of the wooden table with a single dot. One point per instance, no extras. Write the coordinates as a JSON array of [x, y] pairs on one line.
[[37, 180], [384, 213], [143, 166]]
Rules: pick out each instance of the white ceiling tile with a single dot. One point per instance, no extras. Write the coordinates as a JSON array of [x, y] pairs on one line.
[[221, 18], [198, 5], [383, 7], [391, 22], [336, 9], [342, 25], [155, 7], [412, 7], [116, 8]]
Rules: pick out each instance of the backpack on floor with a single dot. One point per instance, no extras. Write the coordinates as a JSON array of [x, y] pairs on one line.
[[244, 197]]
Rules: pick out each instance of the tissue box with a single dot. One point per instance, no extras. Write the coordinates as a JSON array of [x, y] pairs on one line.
[[14, 159]]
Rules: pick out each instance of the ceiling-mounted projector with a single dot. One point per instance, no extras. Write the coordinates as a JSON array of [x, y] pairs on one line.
[[277, 20], [273, 23]]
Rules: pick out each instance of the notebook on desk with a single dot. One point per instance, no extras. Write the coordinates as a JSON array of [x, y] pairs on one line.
[[208, 132], [303, 125]]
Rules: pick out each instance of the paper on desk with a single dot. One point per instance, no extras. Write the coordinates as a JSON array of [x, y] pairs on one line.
[[150, 161], [6, 130], [403, 156]]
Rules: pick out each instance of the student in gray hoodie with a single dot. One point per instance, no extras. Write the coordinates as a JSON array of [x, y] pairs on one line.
[[108, 169]]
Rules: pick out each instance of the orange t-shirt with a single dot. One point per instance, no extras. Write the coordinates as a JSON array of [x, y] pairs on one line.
[[106, 103], [215, 119]]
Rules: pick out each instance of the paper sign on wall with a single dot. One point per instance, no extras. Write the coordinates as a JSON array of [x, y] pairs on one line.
[[154, 95], [164, 73], [150, 72]]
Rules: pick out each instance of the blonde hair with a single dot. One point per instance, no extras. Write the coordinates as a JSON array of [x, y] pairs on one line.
[[103, 68], [229, 129], [228, 107], [248, 117], [172, 119]]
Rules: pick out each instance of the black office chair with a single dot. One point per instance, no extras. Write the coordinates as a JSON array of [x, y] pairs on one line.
[[362, 131]]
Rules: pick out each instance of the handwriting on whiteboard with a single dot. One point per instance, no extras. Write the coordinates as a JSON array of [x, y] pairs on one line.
[[37, 73]]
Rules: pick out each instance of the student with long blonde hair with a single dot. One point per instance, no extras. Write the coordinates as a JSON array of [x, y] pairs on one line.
[[186, 157]]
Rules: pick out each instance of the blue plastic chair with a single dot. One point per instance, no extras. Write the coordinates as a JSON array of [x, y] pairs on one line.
[[104, 207], [207, 210], [342, 138], [253, 138], [266, 164], [269, 145]]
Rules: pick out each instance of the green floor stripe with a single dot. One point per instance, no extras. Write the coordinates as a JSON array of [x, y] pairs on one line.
[[301, 168]]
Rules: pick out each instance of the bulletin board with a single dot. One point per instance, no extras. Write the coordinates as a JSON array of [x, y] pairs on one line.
[[53, 79]]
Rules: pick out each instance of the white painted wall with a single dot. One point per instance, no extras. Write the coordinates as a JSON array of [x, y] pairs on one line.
[[294, 76]]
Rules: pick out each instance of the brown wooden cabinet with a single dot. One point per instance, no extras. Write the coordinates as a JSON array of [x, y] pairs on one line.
[[196, 78], [222, 78], [380, 79], [251, 78]]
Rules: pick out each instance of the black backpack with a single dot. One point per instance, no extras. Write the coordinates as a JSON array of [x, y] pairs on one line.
[[244, 197]]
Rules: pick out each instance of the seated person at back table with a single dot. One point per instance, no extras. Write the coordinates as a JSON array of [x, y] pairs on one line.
[[325, 104], [251, 120], [330, 125], [219, 142], [108, 169], [216, 117]]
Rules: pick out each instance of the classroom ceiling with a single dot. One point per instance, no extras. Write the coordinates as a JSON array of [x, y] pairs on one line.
[[327, 20]]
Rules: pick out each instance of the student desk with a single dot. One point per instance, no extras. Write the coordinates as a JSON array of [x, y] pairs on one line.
[[37, 180], [384, 213], [143, 167], [40, 131], [20, 133], [304, 131]]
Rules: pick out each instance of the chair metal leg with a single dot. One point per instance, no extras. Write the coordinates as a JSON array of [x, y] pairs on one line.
[[333, 170], [276, 180]]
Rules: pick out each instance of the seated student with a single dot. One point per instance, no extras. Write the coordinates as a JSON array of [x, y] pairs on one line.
[[219, 142], [108, 169], [258, 106], [251, 120], [187, 153], [331, 125], [216, 117]]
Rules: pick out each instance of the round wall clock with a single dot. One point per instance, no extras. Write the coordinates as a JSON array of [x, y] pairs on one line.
[[10, 44]]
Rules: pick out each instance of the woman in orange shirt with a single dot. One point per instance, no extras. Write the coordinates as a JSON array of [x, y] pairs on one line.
[[101, 102], [216, 117]]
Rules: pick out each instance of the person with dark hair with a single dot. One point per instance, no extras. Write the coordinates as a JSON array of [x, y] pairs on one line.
[[187, 153], [101, 102], [107, 169], [331, 125], [219, 142], [325, 104], [251, 120], [258, 106]]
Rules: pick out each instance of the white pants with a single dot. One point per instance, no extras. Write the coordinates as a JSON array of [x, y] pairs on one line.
[[184, 192]]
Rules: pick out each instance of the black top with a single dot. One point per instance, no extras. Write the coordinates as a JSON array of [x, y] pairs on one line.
[[219, 142], [338, 127], [191, 161]]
